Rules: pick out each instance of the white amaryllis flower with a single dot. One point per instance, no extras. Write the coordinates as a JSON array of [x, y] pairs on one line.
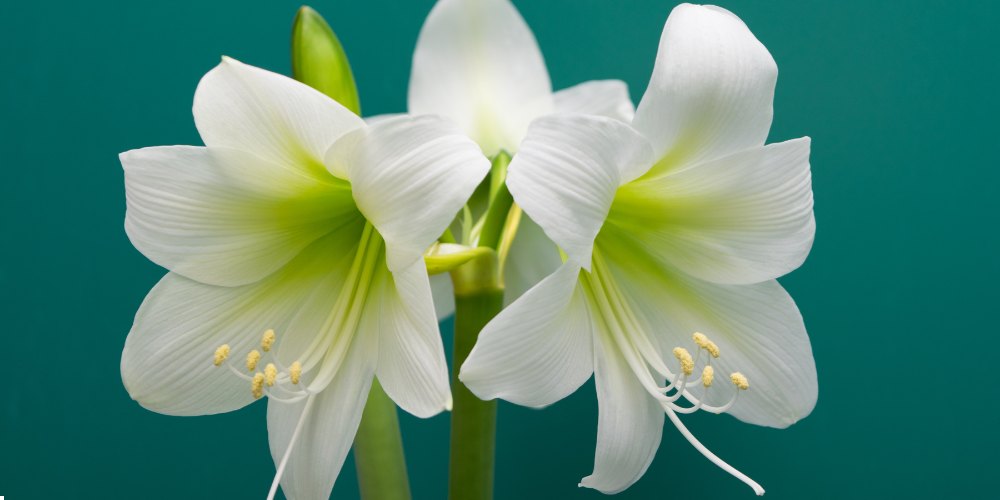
[[294, 241], [676, 225], [477, 63]]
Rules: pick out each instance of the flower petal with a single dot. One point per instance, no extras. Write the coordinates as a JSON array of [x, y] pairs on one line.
[[741, 219], [444, 295], [757, 327], [608, 98], [272, 116], [629, 425], [396, 167], [712, 88], [328, 429], [538, 350], [225, 217], [478, 64], [532, 257], [167, 363], [411, 364], [566, 175]]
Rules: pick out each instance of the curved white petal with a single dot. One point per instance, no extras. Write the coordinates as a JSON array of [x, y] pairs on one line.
[[538, 350], [327, 430], [444, 295], [532, 257], [226, 217], [711, 91], [741, 219], [411, 364], [272, 116], [608, 98], [567, 172], [757, 327], [629, 425], [478, 64], [410, 176], [167, 363]]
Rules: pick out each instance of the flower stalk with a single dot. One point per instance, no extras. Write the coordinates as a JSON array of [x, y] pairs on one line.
[[378, 450], [478, 298]]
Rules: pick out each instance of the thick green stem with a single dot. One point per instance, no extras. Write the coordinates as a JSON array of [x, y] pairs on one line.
[[478, 297], [378, 450]]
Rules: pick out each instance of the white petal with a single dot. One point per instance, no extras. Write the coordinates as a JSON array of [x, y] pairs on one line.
[[538, 350], [629, 425], [478, 64], [757, 327], [226, 217], [167, 363], [741, 219], [444, 295], [328, 429], [272, 116], [409, 175], [411, 364], [532, 257], [608, 98], [711, 91], [566, 175]]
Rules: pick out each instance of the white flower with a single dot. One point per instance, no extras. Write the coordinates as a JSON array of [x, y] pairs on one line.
[[294, 241], [676, 225], [477, 63]]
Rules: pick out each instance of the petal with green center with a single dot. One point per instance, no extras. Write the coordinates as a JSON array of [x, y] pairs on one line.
[[629, 425], [411, 364], [167, 363], [272, 116], [538, 350], [608, 98], [711, 91], [409, 176], [444, 295], [325, 426], [740, 219], [566, 174], [478, 64], [757, 328], [226, 217]]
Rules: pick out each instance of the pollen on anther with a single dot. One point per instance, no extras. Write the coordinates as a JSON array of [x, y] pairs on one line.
[[707, 375], [257, 385], [270, 374], [253, 357], [295, 372], [267, 340], [703, 342], [221, 354], [687, 362], [740, 381]]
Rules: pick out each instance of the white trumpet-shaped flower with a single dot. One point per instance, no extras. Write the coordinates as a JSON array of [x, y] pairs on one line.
[[674, 230], [294, 241], [477, 63]]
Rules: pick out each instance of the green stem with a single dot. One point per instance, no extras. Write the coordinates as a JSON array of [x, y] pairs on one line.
[[378, 450], [478, 297]]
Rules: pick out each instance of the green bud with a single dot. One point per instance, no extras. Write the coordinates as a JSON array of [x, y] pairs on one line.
[[318, 59]]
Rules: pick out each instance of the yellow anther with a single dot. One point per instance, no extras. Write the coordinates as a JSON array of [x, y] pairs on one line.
[[707, 375], [270, 374], [702, 340], [295, 372], [740, 381], [221, 354], [687, 362], [267, 340], [257, 385], [253, 357]]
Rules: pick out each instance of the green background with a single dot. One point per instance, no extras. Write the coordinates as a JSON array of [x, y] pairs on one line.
[[899, 294]]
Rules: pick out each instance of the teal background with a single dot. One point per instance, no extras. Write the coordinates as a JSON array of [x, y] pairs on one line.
[[899, 293]]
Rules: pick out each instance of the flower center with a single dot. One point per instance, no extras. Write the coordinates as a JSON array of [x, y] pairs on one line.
[[639, 351]]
